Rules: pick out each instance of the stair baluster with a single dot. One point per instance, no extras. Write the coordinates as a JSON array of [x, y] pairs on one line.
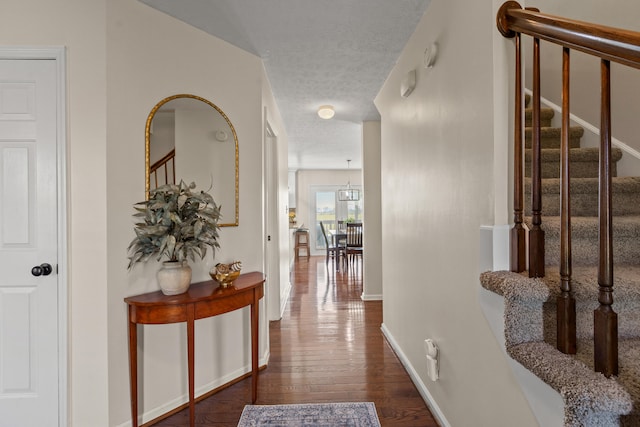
[[608, 44], [566, 303], [536, 234], [605, 320], [518, 232]]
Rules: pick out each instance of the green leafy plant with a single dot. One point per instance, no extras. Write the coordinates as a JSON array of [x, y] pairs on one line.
[[177, 223]]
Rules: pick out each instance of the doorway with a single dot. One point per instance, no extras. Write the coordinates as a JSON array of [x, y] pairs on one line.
[[272, 244], [329, 209], [33, 286]]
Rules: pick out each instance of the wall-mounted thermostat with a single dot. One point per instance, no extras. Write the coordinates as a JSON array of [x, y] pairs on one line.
[[408, 84], [430, 54]]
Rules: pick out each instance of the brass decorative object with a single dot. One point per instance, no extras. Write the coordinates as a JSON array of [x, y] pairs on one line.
[[225, 274]]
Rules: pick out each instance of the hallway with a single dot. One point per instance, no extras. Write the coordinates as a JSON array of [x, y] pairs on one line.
[[327, 347]]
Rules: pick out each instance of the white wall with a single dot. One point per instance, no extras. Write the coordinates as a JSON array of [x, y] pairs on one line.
[[149, 56], [152, 56], [79, 25], [202, 159], [438, 174], [372, 239]]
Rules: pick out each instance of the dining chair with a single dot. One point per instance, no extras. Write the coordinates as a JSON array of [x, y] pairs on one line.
[[341, 230], [354, 246], [332, 250]]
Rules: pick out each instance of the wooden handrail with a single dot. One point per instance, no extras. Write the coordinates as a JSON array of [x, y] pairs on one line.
[[157, 165], [163, 162], [610, 45]]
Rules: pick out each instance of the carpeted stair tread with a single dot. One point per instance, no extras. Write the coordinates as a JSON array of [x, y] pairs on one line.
[[509, 283], [575, 154], [584, 239], [584, 279], [626, 282], [587, 227], [584, 162], [584, 286], [590, 398], [628, 365], [546, 115], [584, 196], [541, 295], [622, 184], [550, 136]]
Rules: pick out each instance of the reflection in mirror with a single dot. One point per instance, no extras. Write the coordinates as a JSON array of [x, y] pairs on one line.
[[189, 138]]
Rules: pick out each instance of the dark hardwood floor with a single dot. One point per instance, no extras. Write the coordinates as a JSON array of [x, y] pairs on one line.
[[327, 347]]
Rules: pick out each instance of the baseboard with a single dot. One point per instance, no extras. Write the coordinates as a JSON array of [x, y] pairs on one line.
[[371, 297], [284, 299], [161, 410], [415, 378]]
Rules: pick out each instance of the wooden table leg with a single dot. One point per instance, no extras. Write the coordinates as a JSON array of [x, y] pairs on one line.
[[133, 369], [254, 348], [190, 358]]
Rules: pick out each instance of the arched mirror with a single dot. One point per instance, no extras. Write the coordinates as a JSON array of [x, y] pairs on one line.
[[189, 138]]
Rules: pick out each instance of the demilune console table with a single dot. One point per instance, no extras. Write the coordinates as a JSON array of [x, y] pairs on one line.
[[203, 299]]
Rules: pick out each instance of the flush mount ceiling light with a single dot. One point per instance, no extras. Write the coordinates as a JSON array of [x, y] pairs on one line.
[[326, 112]]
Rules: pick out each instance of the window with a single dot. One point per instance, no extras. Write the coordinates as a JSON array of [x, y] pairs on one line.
[[329, 209]]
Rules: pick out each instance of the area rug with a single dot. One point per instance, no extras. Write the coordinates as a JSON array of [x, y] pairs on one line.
[[360, 414]]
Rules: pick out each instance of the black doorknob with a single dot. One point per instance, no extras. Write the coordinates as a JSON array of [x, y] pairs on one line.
[[42, 270]]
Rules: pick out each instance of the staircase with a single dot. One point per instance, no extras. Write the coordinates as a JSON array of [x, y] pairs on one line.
[[590, 398]]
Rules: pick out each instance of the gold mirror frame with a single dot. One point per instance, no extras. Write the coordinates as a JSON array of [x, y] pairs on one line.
[[147, 155]]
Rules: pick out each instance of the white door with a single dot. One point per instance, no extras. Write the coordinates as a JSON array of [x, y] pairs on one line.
[[272, 252], [29, 330]]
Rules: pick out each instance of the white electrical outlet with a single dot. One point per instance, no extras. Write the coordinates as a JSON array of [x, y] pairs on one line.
[[432, 359]]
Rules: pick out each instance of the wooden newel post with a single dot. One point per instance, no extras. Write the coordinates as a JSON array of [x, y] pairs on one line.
[[518, 232], [518, 237]]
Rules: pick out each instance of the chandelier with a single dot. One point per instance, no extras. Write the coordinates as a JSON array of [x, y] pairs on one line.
[[348, 194]]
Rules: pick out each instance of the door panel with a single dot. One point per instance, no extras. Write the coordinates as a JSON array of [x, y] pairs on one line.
[[29, 335], [17, 184]]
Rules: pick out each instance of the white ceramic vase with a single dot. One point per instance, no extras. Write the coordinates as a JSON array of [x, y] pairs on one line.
[[174, 277]]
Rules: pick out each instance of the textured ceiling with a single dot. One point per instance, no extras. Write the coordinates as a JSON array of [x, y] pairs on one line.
[[315, 52]]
